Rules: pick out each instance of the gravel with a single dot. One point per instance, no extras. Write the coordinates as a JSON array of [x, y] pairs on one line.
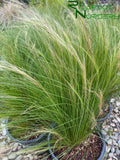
[[111, 131]]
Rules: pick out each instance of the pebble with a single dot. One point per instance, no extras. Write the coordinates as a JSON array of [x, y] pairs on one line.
[[115, 129], [117, 103], [109, 141], [4, 158], [115, 121], [16, 145], [106, 129], [113, 150], [2, 143], [4, 132], [108, 148], [111, 155], [113, 137], [35, 157], [2, 137], [104, 132], [112, 100], [19, 148], [12, 156], [118, 152], [15, 149], [30, 157], [118, 119], [20, 157], [119, 142], [113, 124]]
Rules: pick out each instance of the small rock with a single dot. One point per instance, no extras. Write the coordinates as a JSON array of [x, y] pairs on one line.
[[108, 148], [109, 141], [115, 143], [15, 149], [113, 137], [104, 132], [30, 157], [115, 129], [12, 144], [2, 143], [112, 100], [107, 137], [2, 137], [113, 150], [12, 156], [4, 132], [8, 140], [115, 121], [35, 157], [117, 103], [118, 119], [2, 125], [106, 129], [4, 158], [16, 145], [115, 158], [119, 142], [112, 124], [111, 155], [20, 157], [118, 152], [19, 148]]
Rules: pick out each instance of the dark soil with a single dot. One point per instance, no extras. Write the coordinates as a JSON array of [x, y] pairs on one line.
[[90, 151]]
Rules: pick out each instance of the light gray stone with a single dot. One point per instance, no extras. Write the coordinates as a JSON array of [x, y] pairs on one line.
[[111, 155], [35, 157], [4, 132], [115, 143], [117, 103], [2, 143], [30, 157], [20, 157], [112, 100], [110, 141], [12, 156], [118, 119], [113, 137], [119, 142], [16, 145], [110, 159], [118, 152], [112, 124], [106, 129], [2, 137], [15, 149], [5, 158], [108, 148], [115, 121], [103, 132], [19, 148], [115, 129], [113, 150]]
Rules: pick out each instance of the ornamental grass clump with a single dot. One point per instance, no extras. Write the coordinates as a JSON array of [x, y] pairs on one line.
[[58, 70]]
